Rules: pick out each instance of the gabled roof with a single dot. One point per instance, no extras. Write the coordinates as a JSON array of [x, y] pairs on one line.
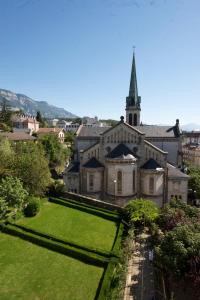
[[120, 151], [134, 128], [74, 168], [93, 163], [174, 172], [85, 131], [156, 131], [151, 164]]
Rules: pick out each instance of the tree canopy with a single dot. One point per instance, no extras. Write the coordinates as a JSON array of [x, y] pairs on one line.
[[142, 211]]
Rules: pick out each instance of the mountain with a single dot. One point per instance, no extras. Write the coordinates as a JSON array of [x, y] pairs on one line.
[[30, 106], [190, 127]]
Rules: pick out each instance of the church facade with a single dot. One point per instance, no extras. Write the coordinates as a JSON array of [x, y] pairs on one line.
[[129, 160]]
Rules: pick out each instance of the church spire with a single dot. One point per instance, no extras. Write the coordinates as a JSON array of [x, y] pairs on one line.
[[133, 100], [133, 92]]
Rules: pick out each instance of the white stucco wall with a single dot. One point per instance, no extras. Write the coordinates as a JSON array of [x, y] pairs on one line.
[[127, 179], [158, 183]]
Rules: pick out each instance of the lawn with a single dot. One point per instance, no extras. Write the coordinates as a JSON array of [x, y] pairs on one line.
[[71, 224], [28, 271]]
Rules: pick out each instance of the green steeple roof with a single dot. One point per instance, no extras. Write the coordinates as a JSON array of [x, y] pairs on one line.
[[133, 92], [133, 99]]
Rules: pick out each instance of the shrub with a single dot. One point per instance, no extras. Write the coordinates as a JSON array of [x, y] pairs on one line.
[[11, 189], [33, 207], [57, 188], [3, 208], [142, 212]]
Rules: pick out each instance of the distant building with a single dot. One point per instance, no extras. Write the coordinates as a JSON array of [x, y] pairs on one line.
[[191, 137], [52, 122], [191, 154], [55, 131], [128, 160], [24, 123], [62, 124]]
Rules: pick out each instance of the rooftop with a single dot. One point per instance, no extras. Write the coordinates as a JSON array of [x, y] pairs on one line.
[[17, 136], [93, 163]]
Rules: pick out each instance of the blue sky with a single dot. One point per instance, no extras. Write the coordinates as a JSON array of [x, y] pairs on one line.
[[77, 54]]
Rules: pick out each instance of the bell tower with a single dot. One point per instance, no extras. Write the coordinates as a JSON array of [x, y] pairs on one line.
[[133, 100]]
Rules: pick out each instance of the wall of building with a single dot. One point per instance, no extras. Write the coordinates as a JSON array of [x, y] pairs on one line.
[[178, 188], [158, 183], [127, 179], [71, 181]]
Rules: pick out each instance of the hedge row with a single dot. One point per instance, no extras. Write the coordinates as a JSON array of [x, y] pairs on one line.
[[94, 211], [118, 239], [79, 254], [104, 287], [63, 241]]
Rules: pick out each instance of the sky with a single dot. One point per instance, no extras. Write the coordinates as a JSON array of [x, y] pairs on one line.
[[77, 54]]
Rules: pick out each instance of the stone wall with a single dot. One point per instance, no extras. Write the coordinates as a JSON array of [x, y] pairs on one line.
[[92, 201]]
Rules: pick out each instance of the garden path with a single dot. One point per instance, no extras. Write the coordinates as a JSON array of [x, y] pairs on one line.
[[140, 277]]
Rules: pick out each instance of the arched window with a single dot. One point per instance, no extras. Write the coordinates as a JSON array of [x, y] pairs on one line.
[[130, 119], [91, 182], [135, 120], [134, 177], [151, 185], [119, 181]]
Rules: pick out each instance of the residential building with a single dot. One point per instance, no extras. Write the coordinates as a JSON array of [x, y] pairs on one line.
[[55, 131]]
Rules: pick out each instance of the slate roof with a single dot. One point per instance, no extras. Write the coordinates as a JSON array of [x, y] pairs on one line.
[[156, 131], [151, 164], [74, 168], [17, 136], [120, 151], [174, 172], [91, 131], [93, 163]]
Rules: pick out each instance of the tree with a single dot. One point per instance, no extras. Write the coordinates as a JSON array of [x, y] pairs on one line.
[[178, 248], [56, 153], [5, 115], [6, 155], [40, 119], [31, 166], [12, 191], [142, 211], [194, 180]]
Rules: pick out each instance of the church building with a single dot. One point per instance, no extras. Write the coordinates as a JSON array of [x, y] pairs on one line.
[[128, 160]]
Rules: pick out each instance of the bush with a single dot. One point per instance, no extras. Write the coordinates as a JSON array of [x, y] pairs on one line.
[[33, 207], [142, 212], [56, 188], [11, 189]]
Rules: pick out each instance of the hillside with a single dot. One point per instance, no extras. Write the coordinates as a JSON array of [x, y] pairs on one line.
[[30, 106]]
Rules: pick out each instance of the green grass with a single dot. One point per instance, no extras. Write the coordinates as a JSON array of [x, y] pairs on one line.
[[74, 225], [28, 271]]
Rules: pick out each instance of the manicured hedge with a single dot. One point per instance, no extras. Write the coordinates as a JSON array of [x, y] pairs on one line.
[[118, 239], [63, 241], [79, 254], [104, 287], [94, 211]]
